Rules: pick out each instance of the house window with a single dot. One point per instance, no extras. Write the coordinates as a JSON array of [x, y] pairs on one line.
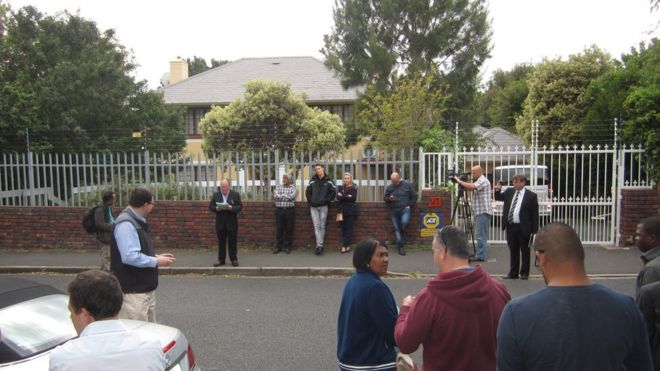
[[192, 118], [344, 111]]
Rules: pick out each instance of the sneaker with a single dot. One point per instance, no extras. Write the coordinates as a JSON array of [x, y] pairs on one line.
[[402, 251]]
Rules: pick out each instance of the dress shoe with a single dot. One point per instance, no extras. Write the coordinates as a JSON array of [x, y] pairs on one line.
[[524, 276], [219, 263], [510, 277], [402, 251], [318, 250], [234, 263], [277, 250]]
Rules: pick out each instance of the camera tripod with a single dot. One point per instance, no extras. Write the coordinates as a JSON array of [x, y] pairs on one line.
[[468, 227]]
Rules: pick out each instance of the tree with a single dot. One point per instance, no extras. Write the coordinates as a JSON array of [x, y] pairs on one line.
[[557, 96], [373, 41], [70, 87], [270, 117], [198, 65], [403, 118], [502, 102]]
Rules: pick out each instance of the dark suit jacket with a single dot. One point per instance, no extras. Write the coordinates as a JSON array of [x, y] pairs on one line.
[[225, 217], [529, 209], [648, 300]]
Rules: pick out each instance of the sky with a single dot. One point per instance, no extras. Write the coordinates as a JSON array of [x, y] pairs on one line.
[[524, 31]]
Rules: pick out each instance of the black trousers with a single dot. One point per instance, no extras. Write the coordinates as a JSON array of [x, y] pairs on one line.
[[284, 227], [225, 234], [347, 229], [519, 248]]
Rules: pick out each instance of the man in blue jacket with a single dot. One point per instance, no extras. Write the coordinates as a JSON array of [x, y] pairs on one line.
[[400, 196]]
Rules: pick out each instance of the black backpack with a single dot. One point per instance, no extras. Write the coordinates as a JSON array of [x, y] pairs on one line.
[[88, 220]]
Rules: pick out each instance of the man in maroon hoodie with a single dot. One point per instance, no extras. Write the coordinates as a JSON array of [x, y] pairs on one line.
[[456, 316]]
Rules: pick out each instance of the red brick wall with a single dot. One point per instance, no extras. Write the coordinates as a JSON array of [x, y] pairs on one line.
[[189, 224], [636, 204]]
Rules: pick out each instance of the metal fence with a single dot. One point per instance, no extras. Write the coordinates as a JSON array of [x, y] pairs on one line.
[[578, 185], [47, 179]]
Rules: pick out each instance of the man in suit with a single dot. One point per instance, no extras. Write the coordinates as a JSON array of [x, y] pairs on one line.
[[226, 205], [520, 218]]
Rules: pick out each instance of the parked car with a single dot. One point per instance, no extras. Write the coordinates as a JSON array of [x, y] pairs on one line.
[[34, 319], [543, 188]]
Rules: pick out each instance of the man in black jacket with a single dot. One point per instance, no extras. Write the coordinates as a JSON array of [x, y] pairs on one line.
[[226, 205], [520, 218], [320, 192]]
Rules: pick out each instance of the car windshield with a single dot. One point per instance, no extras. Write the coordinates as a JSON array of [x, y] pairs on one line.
[[35, 326], [505, 175]]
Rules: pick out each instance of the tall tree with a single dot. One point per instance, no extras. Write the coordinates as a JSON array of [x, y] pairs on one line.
[[70, 87], [502, 102], [198, 65], [557, 96], [270, 117], [403, 118], [373, 41]]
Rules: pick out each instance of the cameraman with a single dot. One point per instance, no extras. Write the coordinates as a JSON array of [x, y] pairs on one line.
[[480, 209]]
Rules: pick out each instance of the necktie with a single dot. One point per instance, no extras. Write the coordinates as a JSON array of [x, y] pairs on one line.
[[513, 207]]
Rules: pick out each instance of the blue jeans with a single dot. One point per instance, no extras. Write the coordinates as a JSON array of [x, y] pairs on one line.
[[400, 220], [319, 216], [481, 223]]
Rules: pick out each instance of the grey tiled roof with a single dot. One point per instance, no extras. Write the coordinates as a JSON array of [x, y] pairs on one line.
[[224, 84], [497, 137]]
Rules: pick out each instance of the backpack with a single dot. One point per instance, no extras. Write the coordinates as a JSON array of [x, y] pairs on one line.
[[88, 220]]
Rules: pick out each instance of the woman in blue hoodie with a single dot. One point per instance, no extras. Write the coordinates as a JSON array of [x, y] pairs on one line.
[[368, 312]]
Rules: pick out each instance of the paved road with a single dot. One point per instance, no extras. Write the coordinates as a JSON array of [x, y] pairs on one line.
[[271, 323]]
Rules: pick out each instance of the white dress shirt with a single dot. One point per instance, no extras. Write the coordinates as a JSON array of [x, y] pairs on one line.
[[107, 345], [516, 211]]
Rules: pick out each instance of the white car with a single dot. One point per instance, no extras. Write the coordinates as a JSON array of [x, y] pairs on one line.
[[34, 319], [543, 188]]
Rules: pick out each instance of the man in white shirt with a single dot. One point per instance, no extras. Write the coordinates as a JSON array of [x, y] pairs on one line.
[[95, 299]]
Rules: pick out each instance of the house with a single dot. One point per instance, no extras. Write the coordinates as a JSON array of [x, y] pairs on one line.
[[226, 83], [497, 137]]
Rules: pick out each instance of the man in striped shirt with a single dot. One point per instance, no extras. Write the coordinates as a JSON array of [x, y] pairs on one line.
[[285, 197]]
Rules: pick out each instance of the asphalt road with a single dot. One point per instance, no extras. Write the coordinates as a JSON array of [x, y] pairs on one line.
[[271, 324]]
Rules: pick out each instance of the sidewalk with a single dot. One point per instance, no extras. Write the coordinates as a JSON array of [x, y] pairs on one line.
[[600, 262]]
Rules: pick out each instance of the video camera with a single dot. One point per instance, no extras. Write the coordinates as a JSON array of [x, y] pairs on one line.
[[451, 173]]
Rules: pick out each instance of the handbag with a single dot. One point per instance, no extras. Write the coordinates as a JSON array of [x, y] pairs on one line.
[[340, 217]]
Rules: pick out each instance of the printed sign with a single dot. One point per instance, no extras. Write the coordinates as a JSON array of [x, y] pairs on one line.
[[429, 223]]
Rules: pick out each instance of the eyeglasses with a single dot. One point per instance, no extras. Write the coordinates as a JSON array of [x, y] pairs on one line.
[[442, 240]]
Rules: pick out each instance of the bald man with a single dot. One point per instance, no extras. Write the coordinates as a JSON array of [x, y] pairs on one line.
[[572, 324], [226, 204], [480, 209], [400, 197]]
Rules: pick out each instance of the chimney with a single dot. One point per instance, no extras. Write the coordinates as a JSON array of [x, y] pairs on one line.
[[178, 70]]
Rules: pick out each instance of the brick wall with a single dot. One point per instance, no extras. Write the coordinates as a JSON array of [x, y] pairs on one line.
[[189, 224], [636, 204]]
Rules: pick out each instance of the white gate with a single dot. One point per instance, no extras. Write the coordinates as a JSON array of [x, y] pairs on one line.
[[578, 185]]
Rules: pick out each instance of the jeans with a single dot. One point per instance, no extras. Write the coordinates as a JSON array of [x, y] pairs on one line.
[[319, 216], [400, 220], [481, 222]]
